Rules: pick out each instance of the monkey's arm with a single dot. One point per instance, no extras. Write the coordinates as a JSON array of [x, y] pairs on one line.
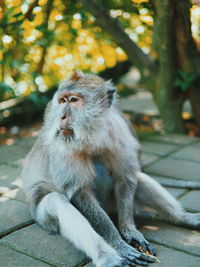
[[87, 204], [125, 192]]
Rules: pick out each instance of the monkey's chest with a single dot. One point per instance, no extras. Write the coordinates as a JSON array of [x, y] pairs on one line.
[[72, 174]]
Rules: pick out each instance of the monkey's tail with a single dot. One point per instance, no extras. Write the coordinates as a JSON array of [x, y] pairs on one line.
[[150, 193]]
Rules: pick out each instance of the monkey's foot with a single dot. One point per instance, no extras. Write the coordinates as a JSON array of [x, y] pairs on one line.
[[132, 256], [137, 240]]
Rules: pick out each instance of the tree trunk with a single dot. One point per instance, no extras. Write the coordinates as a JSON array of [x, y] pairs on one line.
[[168, 98], [187, 54]]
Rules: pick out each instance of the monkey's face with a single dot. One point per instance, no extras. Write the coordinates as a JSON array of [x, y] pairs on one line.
[[83, 104]]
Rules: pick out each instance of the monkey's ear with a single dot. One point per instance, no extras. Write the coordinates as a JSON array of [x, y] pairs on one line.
[[110, 87], [110, 92], [75, 76]]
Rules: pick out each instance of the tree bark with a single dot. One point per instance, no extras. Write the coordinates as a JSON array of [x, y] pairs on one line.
[[168, 98], [187, 54], [44, 49]]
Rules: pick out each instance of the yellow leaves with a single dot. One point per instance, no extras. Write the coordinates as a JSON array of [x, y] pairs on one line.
[[1, 54], [195, 19], [27, 92], [70, 45], [13, 3], [42, 2], [56, 15], [1, 13], [76, 24], [39, 17], [140, 1], [121, 55], [27, 25], [35, 54], [30, 34], [109, 54], [146, 19]]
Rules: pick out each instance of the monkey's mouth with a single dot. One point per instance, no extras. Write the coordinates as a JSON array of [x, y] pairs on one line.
[[67, 131]]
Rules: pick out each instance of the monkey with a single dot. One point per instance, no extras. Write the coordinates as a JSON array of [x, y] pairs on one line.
[[86, 139]]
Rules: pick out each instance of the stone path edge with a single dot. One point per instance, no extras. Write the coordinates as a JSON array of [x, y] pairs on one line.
[[16, 228], [19, 251], [172, 247]]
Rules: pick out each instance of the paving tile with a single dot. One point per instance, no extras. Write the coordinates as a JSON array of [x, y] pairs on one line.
[[170, 258], [191, 153], [13, 213], [148, 158], [9, 178], [36, 242], [17, 194], [176, 192], [176, 168], [173, 258], [192, 201], [178, 183], [26, 142], [159, 149], [179, 238], [12, 258], [12, 153], [174, 139], [141, 103]]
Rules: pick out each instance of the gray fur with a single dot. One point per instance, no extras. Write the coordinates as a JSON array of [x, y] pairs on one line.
[[60, 170]]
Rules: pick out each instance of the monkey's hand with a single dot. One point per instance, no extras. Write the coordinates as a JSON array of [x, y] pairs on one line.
[[136, 239], [132, 256]]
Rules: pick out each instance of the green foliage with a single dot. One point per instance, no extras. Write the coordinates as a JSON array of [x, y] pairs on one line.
[[43, 41], [6, 90], [39, 101], [184, 80]]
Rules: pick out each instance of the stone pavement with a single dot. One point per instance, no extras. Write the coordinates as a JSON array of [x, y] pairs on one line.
[[167, 158]]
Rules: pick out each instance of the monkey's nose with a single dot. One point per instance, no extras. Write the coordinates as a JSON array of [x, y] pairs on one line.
[[65, 116]]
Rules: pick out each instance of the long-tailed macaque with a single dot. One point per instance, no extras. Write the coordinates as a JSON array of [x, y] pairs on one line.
[[84, 129]]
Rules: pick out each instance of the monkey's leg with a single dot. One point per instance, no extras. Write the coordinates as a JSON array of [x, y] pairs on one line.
[[55, 207], [152, 194], [87, 204]]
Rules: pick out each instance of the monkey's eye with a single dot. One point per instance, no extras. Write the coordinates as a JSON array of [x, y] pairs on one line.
[[61, 100], [73, 99]]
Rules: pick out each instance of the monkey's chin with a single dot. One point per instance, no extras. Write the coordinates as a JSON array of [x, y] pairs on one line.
[[67, 132]]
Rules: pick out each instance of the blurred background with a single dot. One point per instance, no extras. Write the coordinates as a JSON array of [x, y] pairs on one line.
[[149, 48]]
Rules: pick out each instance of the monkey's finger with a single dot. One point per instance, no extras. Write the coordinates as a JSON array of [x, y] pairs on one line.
[[144, 246], [145, 257], [150, 249], [135, 253], [147, 247]]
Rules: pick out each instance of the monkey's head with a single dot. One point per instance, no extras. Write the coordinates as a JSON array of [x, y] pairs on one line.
[[81, 105]]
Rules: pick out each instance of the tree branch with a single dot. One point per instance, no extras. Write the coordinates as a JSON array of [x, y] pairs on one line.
[[112, 26], [44, 49], [117, 71]]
